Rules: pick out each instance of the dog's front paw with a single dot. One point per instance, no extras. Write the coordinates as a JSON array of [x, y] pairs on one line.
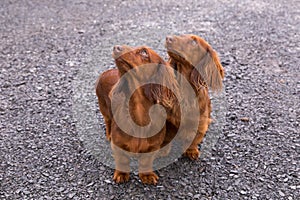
[[149, 178], [121, 177], [192, 154]]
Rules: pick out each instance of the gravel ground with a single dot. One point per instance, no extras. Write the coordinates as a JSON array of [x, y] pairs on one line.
[[45, 45]]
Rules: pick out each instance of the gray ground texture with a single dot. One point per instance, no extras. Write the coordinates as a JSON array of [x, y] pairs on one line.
[[46, 44]]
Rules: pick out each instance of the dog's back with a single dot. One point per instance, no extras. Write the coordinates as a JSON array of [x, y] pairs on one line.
[[104, 85]]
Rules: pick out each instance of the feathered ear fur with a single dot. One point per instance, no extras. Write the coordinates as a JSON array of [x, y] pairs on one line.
[[208, 70], [160, 93], [197, 80]]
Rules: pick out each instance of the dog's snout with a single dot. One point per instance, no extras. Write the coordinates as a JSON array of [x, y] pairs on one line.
[[169, 39], [118, 48]]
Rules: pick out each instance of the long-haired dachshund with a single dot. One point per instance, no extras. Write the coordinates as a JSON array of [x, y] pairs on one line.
[[113, 88], [194, 58]]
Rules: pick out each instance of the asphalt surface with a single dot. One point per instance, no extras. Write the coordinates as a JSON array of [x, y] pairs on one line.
[[44, 45]]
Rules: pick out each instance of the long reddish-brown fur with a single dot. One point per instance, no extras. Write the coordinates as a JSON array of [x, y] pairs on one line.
[[143, 98], [195, 59]]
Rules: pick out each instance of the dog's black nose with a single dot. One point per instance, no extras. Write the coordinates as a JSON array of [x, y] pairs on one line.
[[118, 48], [169, 39]]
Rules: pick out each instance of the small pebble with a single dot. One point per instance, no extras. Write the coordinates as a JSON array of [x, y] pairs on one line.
[[281, 193]]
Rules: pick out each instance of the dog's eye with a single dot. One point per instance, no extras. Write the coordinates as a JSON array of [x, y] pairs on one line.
[[194, 42], [144, 53]]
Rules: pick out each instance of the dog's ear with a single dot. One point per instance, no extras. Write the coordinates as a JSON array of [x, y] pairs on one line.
[[197, 80], [210, 69], [159, 92]]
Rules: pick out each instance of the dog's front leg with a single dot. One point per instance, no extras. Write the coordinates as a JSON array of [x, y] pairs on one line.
[[146, 173], [193, 152], [122, 165]]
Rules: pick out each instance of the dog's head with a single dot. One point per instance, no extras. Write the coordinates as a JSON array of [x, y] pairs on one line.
[[128, 58], [192, 50]]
